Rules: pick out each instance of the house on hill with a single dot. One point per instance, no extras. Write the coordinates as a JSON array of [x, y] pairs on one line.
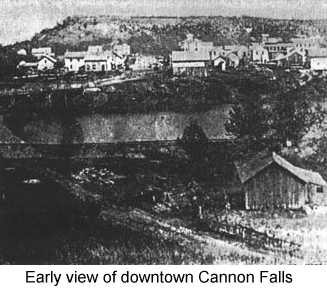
[[318, 59], [259, 54], [46, 62], [292, 59], [98, 62], [268, 180], [220, 63], [190, 63], [74, 61]]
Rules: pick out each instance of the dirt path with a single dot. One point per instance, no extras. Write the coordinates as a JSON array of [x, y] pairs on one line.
[[154, 226]]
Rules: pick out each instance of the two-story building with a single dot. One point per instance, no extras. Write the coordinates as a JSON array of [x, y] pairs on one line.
[[74, 61], [98, 62], [46, 62], [259, 54], [305, 44]]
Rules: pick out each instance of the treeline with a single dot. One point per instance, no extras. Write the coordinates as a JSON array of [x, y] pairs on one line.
[[159, 93]]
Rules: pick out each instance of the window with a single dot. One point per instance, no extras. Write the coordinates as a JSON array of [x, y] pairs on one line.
[[88, 67], [320, 189], [71, 66], [94, 66]]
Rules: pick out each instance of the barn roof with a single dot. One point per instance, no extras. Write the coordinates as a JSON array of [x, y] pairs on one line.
[[75, 54], [187, 56], [262, 160], [50, 58]]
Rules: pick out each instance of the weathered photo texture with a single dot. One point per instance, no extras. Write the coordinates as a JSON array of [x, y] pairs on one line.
[[163, 132]]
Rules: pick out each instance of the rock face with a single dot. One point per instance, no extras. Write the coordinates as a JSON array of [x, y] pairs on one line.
[[98, 128]]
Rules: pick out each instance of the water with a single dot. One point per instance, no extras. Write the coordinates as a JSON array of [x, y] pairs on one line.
[[109, 128]]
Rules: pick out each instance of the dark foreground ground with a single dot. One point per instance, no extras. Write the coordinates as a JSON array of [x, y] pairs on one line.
[[41, 224]]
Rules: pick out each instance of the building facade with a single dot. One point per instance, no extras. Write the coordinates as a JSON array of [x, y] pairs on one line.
[[190, 63], [46, 63], [318, 59], [74, 61], [269, 181]]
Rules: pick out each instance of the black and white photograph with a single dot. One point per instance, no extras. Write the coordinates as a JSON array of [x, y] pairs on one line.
[[163, 132]]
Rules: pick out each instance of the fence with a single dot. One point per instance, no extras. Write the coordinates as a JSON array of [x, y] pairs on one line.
[[254, 238]]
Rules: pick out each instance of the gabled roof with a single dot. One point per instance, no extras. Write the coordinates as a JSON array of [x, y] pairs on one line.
[[220, 57], [103, 56], [186, 56], [27, 64], [282, 56], [279, 57], [232, 56], [50, 58], [77, 54], [262, 160]]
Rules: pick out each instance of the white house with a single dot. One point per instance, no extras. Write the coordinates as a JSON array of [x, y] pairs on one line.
[[46, 63], [98, 62], [259, 54], [74, 61], [220, 63], [318, 59], [191, 62], [42, 51]]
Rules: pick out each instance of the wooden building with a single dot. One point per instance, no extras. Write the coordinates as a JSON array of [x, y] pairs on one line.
[[190, 63], [270, 181]]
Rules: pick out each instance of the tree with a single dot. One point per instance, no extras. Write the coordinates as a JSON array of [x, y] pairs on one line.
[[194, 142], [271, 117], [249, 118]]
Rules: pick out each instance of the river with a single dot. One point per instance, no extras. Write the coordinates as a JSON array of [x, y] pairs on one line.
[[112, 128]]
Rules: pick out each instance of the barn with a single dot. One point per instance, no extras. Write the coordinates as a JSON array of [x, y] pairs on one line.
[[270, 181]]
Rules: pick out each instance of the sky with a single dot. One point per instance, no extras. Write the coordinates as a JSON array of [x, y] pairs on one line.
[[21, 19]]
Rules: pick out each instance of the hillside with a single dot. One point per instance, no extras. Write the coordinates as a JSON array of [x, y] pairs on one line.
[[159, 35]]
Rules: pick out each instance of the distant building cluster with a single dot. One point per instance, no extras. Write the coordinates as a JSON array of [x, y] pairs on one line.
[[96, 59], [196, 57]]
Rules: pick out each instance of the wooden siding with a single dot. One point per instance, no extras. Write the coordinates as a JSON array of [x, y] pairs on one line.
[[315, 197], [275, 187]]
